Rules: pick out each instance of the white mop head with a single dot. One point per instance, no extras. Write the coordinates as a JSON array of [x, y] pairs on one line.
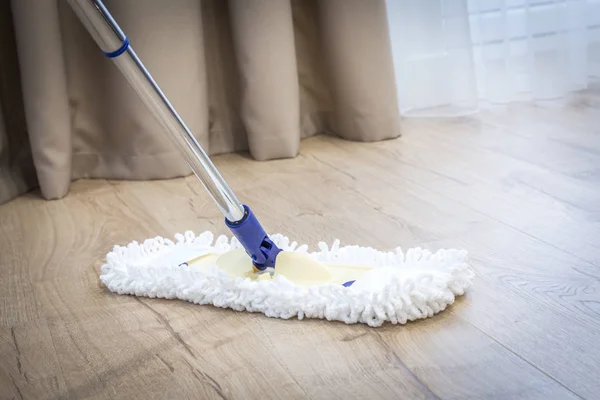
[[401, 287]]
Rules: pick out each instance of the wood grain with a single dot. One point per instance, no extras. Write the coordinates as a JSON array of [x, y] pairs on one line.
[[519, 188]]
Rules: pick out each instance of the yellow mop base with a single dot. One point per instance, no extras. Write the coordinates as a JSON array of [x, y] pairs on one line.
[[298, 268]]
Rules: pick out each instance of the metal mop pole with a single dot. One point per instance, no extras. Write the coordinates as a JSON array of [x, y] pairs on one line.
[[115, 45]]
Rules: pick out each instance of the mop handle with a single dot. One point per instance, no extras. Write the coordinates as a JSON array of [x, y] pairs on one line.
[[115, 44]]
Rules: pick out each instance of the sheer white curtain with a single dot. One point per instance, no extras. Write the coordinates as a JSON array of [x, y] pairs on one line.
[[453, 56]]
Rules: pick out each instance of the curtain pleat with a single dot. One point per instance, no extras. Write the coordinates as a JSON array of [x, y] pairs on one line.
[[226, 130], [245, 75], [17, 173], [360, 68], [44, 82], [263, 36]]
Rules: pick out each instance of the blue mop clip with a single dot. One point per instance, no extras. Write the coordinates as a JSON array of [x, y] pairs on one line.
[[255, 240]]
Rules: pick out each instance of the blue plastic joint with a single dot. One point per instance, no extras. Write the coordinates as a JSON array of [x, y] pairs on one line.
[[119, 51], [255, 240]]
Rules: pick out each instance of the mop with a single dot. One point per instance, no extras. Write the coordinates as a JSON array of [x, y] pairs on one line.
[[255, 272]]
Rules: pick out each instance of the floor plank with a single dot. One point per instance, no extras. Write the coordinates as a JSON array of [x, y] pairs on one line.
[[29, 367]]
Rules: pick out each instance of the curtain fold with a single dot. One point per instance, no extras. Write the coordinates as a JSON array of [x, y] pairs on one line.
[[263, 36], [360, 70], [244, 75], [17, 173], [44, 83]]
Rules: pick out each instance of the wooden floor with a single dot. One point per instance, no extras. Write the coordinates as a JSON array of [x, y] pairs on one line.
[[519, 188]]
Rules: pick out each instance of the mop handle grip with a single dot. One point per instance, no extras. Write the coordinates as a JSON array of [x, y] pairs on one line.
[[115, 45]]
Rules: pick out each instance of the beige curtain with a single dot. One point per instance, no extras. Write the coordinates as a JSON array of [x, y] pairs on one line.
[[255, 75]]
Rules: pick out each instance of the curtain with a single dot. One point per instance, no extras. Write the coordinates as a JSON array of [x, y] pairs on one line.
[[453, 57], [254, 75], [17, 173]]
